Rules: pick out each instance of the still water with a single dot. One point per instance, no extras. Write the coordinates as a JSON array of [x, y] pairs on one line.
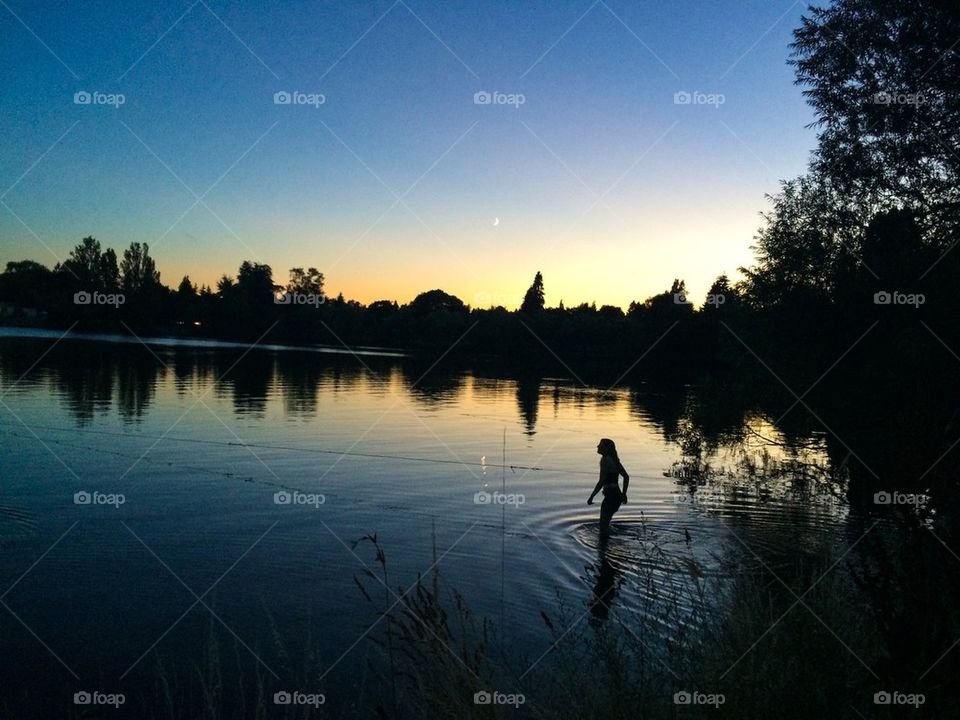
[[149, 494]]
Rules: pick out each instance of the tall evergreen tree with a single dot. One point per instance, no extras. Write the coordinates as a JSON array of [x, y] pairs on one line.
[[533, 301]]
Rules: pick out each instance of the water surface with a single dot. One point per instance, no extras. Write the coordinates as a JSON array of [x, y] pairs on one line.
[[202, 440]]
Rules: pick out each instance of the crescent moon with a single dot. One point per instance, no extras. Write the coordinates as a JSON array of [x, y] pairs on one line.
[[496, 221]]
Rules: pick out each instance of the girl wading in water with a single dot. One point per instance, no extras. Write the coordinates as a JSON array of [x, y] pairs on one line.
[[610, 472]]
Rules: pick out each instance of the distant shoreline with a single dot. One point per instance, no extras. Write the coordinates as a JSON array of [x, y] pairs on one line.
[[195, 342]]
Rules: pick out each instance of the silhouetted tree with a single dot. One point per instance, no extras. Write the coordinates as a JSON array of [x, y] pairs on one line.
[[436, 300], [308, 282], [186, 289], [383, 307], [534, 299], [255, 283], [670, 303], [29, 284], [721, 297], [610, 311], [798, 250], [26, 268], [92, 268], [884, 79], [226, 287], [657, 318], [140, 282], [138, 272], [186, 301]]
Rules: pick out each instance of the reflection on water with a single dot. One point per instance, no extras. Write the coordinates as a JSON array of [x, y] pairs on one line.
[[200, 439], [604, 589]]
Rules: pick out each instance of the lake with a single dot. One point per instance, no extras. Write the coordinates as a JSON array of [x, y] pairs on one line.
[[155, 495]]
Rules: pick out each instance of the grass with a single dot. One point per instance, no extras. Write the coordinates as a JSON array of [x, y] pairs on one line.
[[807, 641]]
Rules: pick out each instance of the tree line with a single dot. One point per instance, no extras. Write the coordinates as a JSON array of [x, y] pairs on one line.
[[91, 290]]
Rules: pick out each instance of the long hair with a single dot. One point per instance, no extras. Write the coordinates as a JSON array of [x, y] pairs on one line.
[[608, 447]]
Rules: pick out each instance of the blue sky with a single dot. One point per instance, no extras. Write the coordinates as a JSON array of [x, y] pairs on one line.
[[398, 182]]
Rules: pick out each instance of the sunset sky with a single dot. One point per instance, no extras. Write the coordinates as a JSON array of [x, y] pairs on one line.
[[399, 182]]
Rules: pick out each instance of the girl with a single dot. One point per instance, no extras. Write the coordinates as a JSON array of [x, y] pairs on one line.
[[610, 472]]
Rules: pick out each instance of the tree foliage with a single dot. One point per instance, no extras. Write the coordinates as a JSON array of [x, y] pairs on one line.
[[884, 79], [534, 299], [138, 272]]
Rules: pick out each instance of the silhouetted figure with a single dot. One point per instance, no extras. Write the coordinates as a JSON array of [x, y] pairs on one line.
[[610, 472], [686, 534]]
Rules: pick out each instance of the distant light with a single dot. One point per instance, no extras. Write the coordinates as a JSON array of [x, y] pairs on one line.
[[197, 323]]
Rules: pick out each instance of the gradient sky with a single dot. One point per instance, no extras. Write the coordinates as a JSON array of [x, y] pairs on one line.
[[394, 184]]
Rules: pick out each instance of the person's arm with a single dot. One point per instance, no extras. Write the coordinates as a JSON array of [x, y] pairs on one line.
[[599, 484], [626, 482], [596, 489]]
